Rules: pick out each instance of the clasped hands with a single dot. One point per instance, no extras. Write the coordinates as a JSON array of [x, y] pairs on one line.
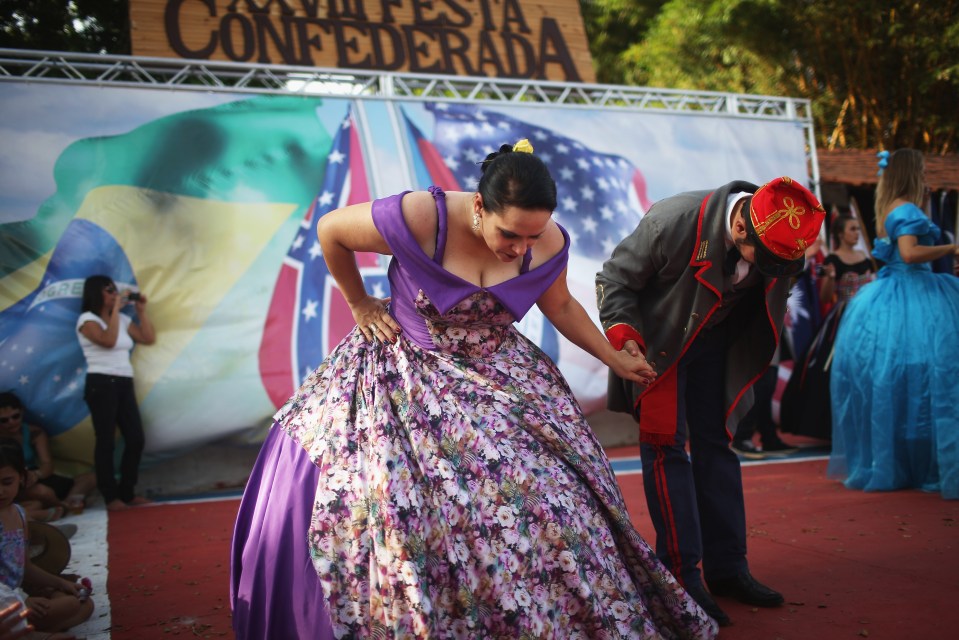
[[631, 364]]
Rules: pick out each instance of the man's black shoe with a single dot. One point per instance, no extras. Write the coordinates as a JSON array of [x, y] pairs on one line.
[[745, 588], [778, 448], [747, 449], [704, 600]]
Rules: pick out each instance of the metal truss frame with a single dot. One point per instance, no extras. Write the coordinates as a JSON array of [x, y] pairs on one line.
[[24, 65]]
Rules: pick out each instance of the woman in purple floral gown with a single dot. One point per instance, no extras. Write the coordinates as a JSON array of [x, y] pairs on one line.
[[435, 477]]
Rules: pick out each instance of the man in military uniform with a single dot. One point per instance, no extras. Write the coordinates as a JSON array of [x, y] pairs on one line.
[[699, 288]]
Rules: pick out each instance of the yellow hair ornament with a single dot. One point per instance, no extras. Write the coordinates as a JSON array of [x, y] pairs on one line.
[[523, 146]]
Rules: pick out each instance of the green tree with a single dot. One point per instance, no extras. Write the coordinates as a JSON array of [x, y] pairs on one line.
[[84, 26], [878, 74], [612, 26]]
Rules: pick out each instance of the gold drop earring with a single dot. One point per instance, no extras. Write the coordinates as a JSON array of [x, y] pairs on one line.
[[476, 222]]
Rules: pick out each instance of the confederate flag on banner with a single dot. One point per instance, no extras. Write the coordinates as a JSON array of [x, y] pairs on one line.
[[308, 315]]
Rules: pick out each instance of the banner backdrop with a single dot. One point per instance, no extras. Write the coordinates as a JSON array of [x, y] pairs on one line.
[[207, 203]]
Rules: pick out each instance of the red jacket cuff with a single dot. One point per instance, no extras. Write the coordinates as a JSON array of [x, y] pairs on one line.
[[618, 334]]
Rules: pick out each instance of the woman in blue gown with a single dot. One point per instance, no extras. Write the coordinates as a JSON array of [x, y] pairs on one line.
[[895, 377]]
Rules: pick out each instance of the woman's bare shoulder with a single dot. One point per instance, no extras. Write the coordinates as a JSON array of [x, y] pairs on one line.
[[420, 213], [418, 205]]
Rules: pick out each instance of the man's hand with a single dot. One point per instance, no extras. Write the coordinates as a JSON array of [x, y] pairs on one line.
[[630, 364]]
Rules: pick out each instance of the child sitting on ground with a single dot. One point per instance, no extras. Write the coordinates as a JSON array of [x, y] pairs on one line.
[[54, 604]]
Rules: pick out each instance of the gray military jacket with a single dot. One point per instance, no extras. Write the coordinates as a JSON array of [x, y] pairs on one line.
[[661, 286]]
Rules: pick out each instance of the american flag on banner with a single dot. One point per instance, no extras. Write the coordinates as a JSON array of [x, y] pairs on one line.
[[308, 315], [600, 196], [803, 316]]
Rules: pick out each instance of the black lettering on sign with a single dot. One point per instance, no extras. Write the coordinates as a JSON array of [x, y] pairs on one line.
[[307, 39], [500, 44], [386, 11], [512, 42], [553, 50], [458, 50], [266, 33], [346, 41], [346, 10], [489, 56], [237, 25], [171, 24], [254, 8], [512, 13], [418, 41], [395, 45]]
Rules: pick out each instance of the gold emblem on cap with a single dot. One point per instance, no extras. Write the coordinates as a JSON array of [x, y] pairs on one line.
[[789, 212]]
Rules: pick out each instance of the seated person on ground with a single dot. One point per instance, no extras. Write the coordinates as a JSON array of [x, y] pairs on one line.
[[47, 495]]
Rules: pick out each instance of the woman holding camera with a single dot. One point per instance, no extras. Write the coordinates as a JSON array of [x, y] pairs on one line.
[[106, 337]]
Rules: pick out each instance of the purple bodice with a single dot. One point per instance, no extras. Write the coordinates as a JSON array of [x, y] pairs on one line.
[[413, 274]]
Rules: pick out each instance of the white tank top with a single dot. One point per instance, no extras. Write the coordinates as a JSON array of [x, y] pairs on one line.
[[112, 362]]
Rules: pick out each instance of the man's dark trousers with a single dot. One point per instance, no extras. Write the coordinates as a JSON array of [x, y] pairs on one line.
[[696, 501]]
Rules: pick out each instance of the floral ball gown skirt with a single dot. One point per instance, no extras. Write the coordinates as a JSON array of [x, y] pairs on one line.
[[447, 493]]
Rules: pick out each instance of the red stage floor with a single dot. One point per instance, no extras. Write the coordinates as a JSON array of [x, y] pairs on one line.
[[852, 565]]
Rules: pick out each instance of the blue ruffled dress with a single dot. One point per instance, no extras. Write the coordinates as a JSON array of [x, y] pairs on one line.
[[895, 373]]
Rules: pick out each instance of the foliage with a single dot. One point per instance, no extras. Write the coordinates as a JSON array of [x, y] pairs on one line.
[[86, 26], [878, 74], [612, 26]]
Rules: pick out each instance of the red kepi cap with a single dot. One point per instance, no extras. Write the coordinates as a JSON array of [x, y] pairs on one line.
[[784, 219]]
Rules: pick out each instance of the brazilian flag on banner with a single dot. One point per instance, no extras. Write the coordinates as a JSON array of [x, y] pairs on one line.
[[196, 210]]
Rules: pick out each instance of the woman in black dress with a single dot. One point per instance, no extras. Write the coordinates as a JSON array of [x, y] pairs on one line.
[[805, 403]]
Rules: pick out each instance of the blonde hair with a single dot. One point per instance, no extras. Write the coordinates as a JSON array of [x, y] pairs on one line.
[[904, 177]]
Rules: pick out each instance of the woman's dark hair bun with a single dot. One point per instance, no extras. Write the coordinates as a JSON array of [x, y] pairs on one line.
[[503, 150], [513, 177]]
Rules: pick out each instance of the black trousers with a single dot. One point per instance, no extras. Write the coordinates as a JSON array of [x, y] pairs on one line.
[[113, 404], [760, 416], [696, 501]]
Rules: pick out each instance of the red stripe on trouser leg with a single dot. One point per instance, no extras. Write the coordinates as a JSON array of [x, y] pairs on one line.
[[666, 510]]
